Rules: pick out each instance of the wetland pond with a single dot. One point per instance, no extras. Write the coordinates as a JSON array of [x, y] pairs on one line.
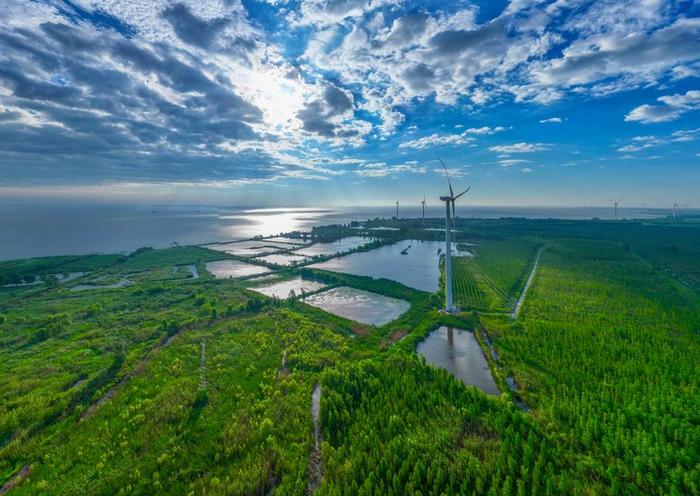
[[418, 268], [458, 352], [360, 306], [283, 289], [338, 246], [283, 259], [247, 248], [234, 268]]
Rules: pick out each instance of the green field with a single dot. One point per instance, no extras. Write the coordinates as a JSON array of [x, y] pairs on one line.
[[176, 385], [494, 277]]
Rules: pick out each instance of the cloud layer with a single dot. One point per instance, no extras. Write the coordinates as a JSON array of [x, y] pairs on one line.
[[223, 93]]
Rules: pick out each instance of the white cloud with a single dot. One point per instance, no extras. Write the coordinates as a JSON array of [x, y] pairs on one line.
[[550, 120], [437, 140], [521, 147], [485, 130], [673, 107], [526, 170], [641, 143], [685, 135], [633, 148], [450, 139], [611, 54], [381, 169], [652, 113], [512, 161]]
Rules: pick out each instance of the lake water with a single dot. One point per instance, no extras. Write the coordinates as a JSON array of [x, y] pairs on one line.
[[339, 246], [458, 352], [358, 305], [32, 229], [283, 289], [418, 269], [234, 268], [283, 259], [246, 248]]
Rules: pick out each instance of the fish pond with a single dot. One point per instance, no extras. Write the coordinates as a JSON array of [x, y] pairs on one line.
[[234, 268], [338, 246], [249, 248], [358, 305], [458, 352], [289, 288], [412, 263], [283, 259]]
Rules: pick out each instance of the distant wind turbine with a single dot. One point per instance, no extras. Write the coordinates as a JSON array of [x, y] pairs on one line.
[[397, 209], [423, 204], [675, 209], [449, 204], [617, 203]]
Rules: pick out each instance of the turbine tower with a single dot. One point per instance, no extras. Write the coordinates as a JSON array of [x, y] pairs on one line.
[[449, 204], [397, 209], [675, 209], [423, 204], [616, 203]]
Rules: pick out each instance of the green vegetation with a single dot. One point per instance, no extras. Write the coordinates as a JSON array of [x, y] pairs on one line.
[[397, 426], [495, 276], [607, 352], [181, 385]]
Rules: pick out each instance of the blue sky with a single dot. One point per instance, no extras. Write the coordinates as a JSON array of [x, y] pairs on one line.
[[350, 102]]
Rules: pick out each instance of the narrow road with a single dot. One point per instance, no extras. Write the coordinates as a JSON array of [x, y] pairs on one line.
[[519, 304], [315, 466], [16, 480], [140, 366]]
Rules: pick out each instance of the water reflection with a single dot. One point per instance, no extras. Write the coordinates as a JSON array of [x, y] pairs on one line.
[[418, 268], [234, 268], [458, 352], [289, 288], [358, 305]]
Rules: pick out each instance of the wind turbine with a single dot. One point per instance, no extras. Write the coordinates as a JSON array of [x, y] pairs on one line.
[[397, 209], [675, 209], [616, 203], [449, 203], [423, 204]]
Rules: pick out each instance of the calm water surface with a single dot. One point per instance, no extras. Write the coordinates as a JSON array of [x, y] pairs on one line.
[[234, 268], [459, 353], [283, 289], [358, 305], [31, 230], [339, 246], [418, 269]]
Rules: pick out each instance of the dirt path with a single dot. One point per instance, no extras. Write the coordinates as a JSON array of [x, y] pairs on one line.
[[90, 411], [16, 480], [519, 304], [203, 366], [315, 465]]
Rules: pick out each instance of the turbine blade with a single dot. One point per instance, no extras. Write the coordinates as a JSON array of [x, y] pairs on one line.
[[447, 175], [463, 192]]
